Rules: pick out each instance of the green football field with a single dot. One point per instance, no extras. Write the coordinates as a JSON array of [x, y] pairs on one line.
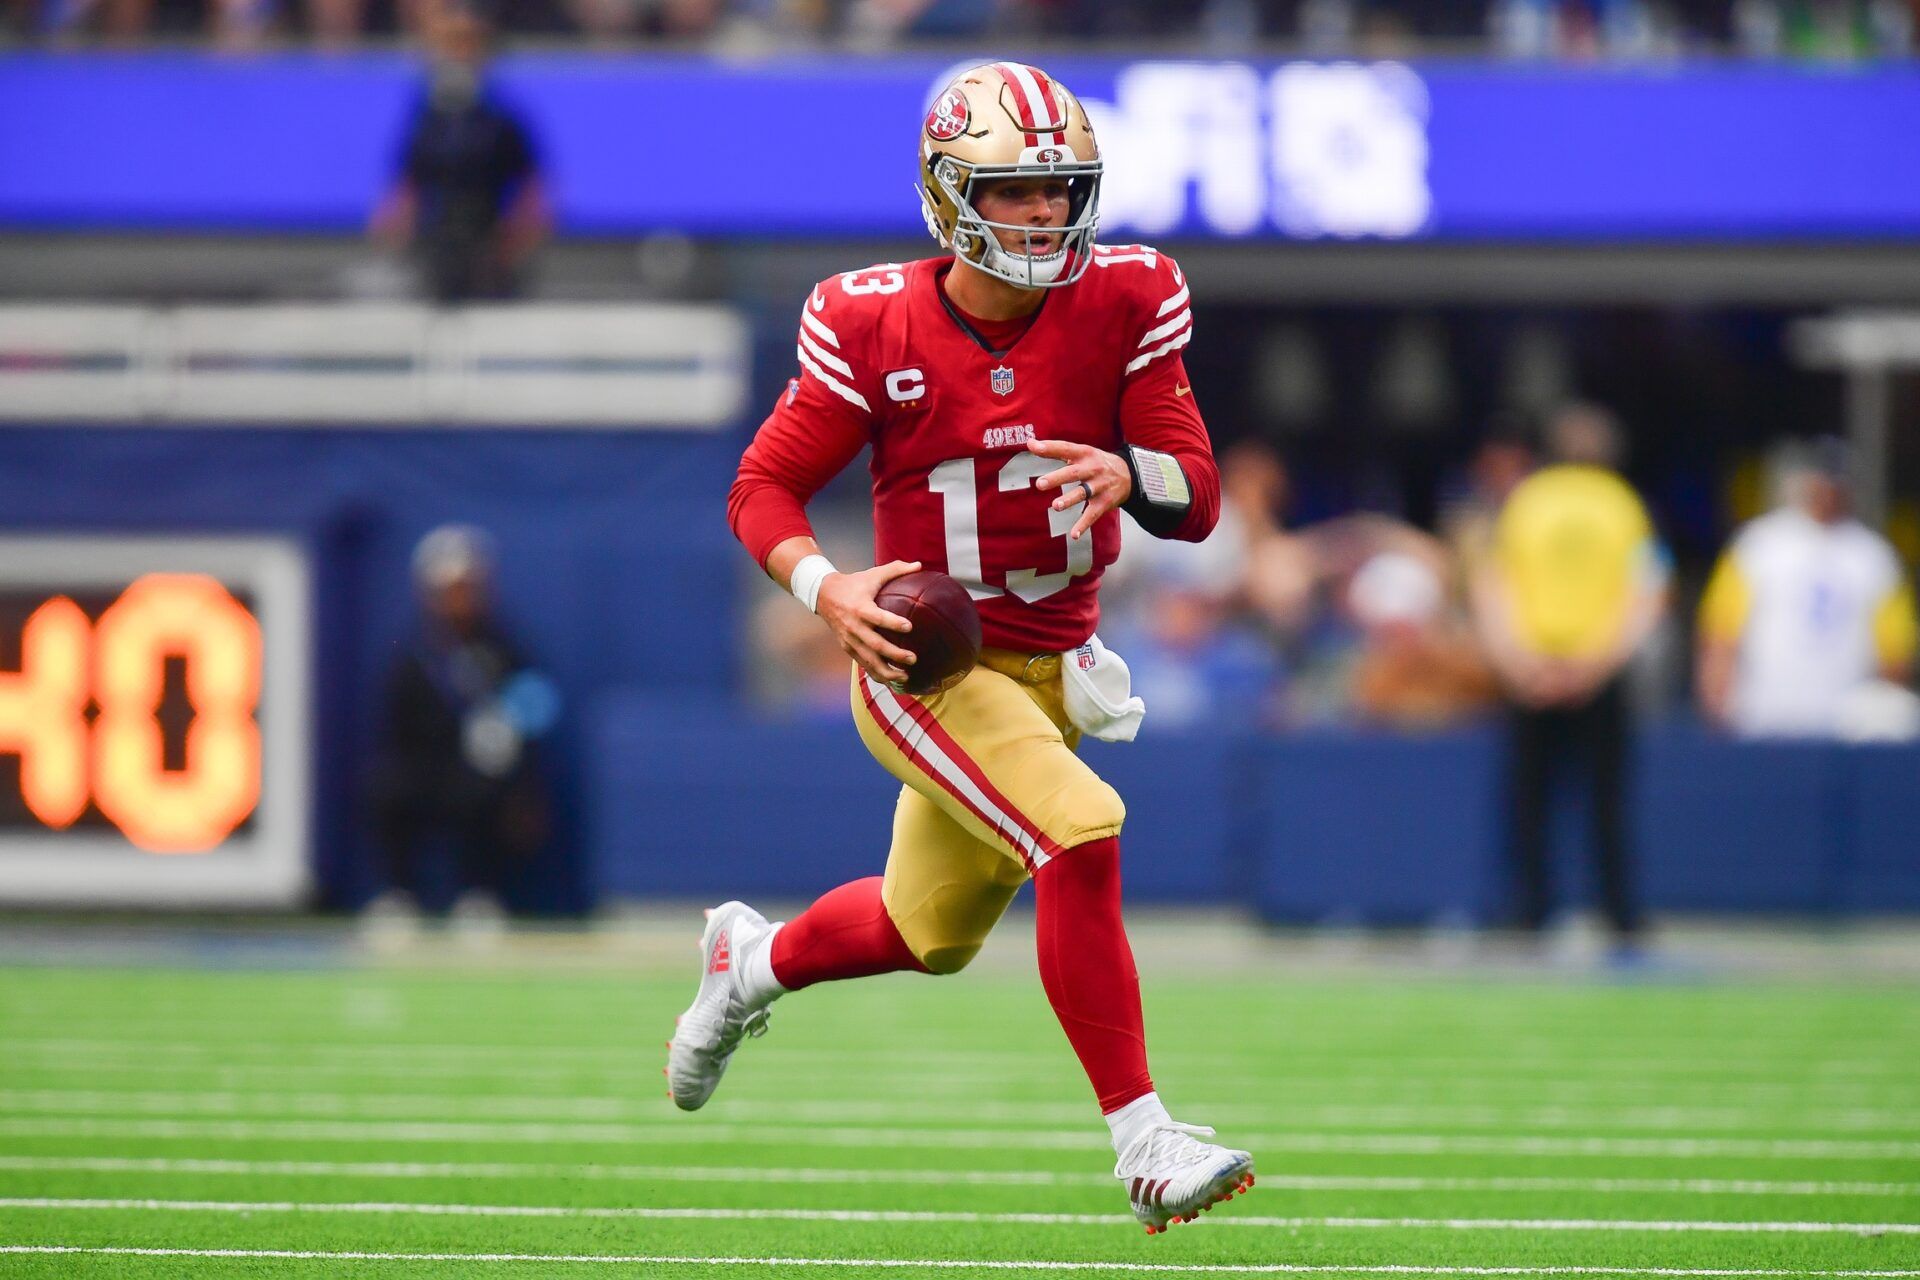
[[509, 1119]]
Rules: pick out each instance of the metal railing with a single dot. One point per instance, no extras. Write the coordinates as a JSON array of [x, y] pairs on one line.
[[548, 365]]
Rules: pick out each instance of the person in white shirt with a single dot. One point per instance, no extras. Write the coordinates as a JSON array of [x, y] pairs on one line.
[[1807, 609]]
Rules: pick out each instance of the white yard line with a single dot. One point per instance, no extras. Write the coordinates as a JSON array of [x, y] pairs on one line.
[[1824, 1122], [895, 1216], [438, 1106], [1085, 1138], [454, 1170], [939, 1264], [1724, 1058], [1557, 1145], [1343, 1087]]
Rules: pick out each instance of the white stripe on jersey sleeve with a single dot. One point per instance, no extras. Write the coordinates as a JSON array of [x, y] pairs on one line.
[[1171, 326], [1173, 302], [1172, 344], [809, 320], [833, 384], [825, 356]]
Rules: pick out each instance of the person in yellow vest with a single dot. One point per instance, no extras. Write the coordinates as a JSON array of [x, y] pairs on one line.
[[1808, 618], [1575, 582]]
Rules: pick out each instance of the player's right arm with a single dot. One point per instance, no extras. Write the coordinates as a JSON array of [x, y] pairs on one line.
[[819, 425], [1725, 607]]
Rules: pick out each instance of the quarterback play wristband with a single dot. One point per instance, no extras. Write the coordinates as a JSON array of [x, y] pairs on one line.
[[807, 577], [1161, 495]]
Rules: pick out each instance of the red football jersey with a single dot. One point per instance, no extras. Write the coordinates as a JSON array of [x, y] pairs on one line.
[[886, 360]]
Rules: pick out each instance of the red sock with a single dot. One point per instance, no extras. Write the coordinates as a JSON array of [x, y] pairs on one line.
[[846, 934], [1087, 968]]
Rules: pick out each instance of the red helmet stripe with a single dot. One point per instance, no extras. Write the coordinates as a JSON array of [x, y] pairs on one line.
[[1055, 102], [1023, 106]]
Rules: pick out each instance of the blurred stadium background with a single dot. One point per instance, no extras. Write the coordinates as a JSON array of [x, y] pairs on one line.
[[264, 318], [329, 329]]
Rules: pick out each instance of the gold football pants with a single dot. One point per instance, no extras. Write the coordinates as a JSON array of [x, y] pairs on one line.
[[993, 791]]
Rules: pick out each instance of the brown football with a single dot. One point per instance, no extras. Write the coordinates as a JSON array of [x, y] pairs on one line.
[[945, 639]]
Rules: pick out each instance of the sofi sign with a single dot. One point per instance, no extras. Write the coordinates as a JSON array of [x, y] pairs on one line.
[[1455, 151], [1304, 149]]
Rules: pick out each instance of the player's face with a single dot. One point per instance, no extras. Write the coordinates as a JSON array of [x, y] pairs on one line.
[[1826, 498], [1024, 202], [460, 604]]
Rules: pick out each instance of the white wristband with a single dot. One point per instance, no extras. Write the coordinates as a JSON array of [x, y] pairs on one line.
[[807, 577]]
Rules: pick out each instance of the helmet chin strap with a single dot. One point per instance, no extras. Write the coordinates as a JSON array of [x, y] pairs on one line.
[[1022, 270]]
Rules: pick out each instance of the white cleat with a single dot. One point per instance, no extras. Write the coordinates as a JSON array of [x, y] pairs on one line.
[[1170, 1177], [718, 1019]]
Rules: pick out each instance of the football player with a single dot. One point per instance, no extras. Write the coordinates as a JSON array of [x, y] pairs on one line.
[[1018, 392]]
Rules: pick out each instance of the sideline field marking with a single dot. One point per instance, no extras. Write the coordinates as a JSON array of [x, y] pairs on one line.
[[893, 1216], [924, 1177], [1088, 1138], [440, 1106], [1390, 1115], [231, 1075], [1720, 1056], [937, 1264]]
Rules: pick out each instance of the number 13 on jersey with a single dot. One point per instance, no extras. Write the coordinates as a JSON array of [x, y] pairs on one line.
[[955, 482]]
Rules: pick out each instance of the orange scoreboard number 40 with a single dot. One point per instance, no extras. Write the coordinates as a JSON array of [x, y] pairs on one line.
[[116, 669]]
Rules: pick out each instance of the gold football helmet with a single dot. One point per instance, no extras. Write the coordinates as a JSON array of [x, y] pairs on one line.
[[1004, 120]]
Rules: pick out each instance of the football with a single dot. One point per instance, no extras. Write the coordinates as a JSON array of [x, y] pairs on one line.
[[945, 639]]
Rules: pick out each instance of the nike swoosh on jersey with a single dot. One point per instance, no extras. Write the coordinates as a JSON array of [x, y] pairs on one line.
[[1181, 391]]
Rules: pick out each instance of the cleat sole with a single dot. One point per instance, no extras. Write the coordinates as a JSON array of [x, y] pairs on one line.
[[1239, 1186]]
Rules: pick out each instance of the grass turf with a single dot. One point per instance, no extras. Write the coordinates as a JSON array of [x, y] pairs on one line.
[[1423, 1123]]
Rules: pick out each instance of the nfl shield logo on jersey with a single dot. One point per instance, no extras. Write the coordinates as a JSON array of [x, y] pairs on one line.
[[1002, 379]]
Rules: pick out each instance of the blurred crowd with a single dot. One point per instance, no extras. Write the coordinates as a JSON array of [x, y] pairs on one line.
[[1543, 583], [1825, 30]]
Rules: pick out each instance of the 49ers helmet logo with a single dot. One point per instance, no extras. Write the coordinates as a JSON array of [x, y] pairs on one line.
[[948, 119]]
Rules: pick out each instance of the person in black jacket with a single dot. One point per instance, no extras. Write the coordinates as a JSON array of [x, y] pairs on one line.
[[468, 201], [458, 795]]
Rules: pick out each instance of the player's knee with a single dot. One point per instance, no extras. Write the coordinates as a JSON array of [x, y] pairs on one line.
[[946, 951], [946, 928], [951, 958], [1097, 813]]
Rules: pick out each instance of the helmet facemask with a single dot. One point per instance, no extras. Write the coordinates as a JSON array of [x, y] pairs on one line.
[[975, 238]]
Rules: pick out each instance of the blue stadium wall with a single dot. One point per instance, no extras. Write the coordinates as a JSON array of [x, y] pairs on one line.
[[617, 571], [1317, 828], [616, 568]]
